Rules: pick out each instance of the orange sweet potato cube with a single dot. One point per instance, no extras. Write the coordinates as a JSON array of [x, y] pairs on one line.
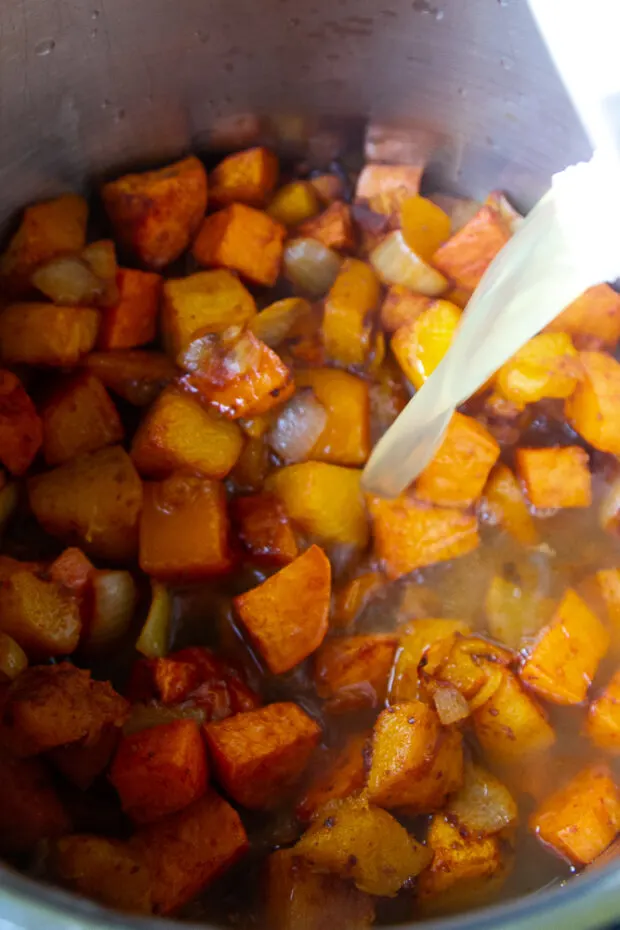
[[420, 344], [546, 366], [511, 724], [350, 307], [333, 227], [160, 770], [385, 187], [556, 477], [339, 774], [593, 320], [184, 531], [466, 256], [504, 504], [132, 321], [135, 375], [409, 534], [401, 306], [286, 616], [353, 597], [106, 870], [40, 615], [156, 213], [265, 529], [30, 808], [345, 440], [54, 227], [178, 433], [246, 177], [564, 659], [593, 410], [21, 431], [44, 334], [244, 240], [186, 851], [457, 474], [416, 637], [580, 820], [260, 756], [79, 417], [297, 896], [352, 672], [82, 763], [603, 723]]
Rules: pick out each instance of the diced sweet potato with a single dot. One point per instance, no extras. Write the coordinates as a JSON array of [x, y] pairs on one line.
[[295, 202], [356, 841], [352, 672], [401, 306], [349, 310], [107, 870], [82, 763], [546, 366], [30, 809], [593, 410], [457, 474], [178, 433], [556, 477], [186, 851], [286, 616], [244, 240], [581, 819], [54, 227], [206, 302], [339, 774], [298, 898], [466, 256], [483, 805], [132, 320], [160, 770], [505, 505], [420, 344], [564, 660], [136, 376], [79, 417], [44, 334], [260, 756], [184, 531], [350, 600], [333, 227], [463, 867], [593, 320], [264, 529], [21, 432], [244, 177], [603, 723], [51, 705], [416, 637], [346, 401], [93, 501], [511, 724], [156, 213], [324, 500], [425, 226], [409, 534], [40, 615], [385, 187]]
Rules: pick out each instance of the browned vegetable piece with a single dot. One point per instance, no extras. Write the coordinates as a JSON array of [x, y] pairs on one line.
[[593, 320], [40, 615], [416, 637], [93, 501], [593, 408], [244, 240], [352, 672], [135, 375], [30, 809], [259, 756], [333, 227], [466, 255], [43, 334], [132, 318], [350, 600], [293, 203], [246, 177], [504, 503], [555, 477], [401, 306], [79, 417], [265, 529], [511, 724], [337, 775], [348, 317], [385, 187], [345, 440], [603, 723], [156, 213], [21, 432], [110, 871], [82, 763]]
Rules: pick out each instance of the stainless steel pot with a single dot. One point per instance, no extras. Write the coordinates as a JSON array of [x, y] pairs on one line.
[[88, 87]]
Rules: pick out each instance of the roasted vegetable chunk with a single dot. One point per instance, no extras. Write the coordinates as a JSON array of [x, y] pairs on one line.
[[505, 504], [511, 724], [79, 417], [135, 375], [350, 600], [416, 637], [244, 240], [21, 431], [294, 203], [466, 256], [82, 763], [43, 334], [352, 672], [603, 723], [345, 440], [333, 228], [109, 871], [420, 344], [593, 409], [30, 809], [546, 366], [386, 187], [593, 320], [264, 529], [555, 477], [132, 320], [349, 309], [40, 615], [244, 177], [339, 774]]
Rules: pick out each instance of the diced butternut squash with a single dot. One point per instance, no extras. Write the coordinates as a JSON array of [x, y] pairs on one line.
[[505, 505], [593, 320], [346, 401], [21, 431], [603, 723], [206, 302], [594, 408], [160, 770], [30, 809], [135, 375], [323, 500], [425, 226], [556, 477], [483, 805], [339, 774], [54, 227], [511, 724], [420, 345], [44, 334], [258, 757], [107, 870], [156, 213], [246, 177], [52, 705], [350, 600], [564, 660], [82, 763], [264, 528], [333, 227], [349, 310], [416, 637], [386, 187], [546, 366], [132, 320], [352, 672], [93, 501], [401, 306], [184, 531], [244, 240], [366, 844], [580, 820], [408, 534], [286, 616], [459, 469], [40, 615], [466, 256], [294, 203], [186, 851], [79, 417], [178, 433]]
